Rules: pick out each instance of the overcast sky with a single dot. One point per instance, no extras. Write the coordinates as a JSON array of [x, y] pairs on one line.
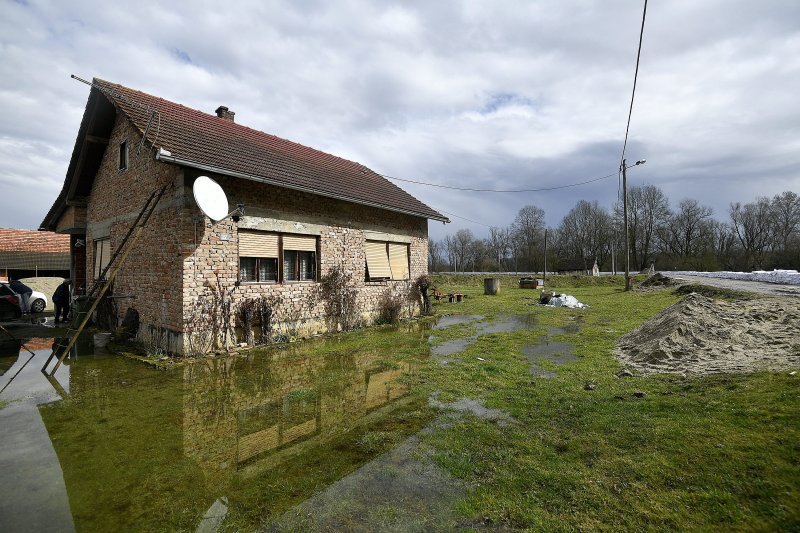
[[472, 94]]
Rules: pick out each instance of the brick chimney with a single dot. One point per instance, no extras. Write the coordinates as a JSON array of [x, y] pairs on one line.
[[224, 112]]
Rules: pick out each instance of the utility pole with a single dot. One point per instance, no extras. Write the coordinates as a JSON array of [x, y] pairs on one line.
[[544, 274], [625, 222], [625, 215]]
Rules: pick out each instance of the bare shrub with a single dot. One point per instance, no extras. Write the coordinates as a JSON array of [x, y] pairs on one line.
[[207, 323], [339, 299], [246, 311], [390, 307]]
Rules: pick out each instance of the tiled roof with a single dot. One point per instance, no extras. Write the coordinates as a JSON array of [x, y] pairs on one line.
[[209, 141], [23, 240]]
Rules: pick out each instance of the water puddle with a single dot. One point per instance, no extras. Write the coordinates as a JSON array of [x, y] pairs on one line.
[[475, 407], [116, 445], [556, 353], [453, 320], [502, 324], [507, 324]]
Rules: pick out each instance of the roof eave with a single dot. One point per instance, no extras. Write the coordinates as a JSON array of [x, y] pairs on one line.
[[235, 174]]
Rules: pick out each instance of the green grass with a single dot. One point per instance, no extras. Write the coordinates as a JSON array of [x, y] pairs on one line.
[[696, 453]]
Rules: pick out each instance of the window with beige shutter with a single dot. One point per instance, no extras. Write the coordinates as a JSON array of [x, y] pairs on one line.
[[398, 260], [258, 257], [378, 267], [260, 254]]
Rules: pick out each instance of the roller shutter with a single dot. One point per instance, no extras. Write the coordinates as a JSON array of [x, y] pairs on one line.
[[302, 243], [398, 259], [377, 260], [258, 244]]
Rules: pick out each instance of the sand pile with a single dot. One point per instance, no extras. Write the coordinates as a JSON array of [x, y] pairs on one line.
[[46, 285], [702, 335]]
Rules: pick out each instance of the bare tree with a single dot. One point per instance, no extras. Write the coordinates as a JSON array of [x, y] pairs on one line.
[[498, 245], [753, 226], [459, 248], [724, 241], [786, 220], [435, 258], [585, 233], [528, 231], [648, 210], [688, 230]]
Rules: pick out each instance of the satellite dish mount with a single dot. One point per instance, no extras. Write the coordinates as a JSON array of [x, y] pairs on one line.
[[213, 202]]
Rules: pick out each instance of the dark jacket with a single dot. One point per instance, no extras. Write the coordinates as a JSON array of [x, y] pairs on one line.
[[19, 287], [61, 296]]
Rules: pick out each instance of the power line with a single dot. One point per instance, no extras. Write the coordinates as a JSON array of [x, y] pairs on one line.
[[500, 190], [462, 218], [633, 92]]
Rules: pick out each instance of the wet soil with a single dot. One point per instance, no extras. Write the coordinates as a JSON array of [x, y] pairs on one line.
[[502, 324], [552, 352]]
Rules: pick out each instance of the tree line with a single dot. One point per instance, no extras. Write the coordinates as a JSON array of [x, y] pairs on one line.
[[762, 234]]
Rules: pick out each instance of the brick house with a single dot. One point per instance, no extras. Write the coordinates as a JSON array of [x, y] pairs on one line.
[[27, 253], [306, 211]]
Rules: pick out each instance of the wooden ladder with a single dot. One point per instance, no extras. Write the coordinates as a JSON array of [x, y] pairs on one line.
[[99, 289]]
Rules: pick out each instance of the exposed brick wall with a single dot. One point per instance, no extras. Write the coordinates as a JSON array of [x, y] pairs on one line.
[[151, 275], [341, 242], [180, 252]]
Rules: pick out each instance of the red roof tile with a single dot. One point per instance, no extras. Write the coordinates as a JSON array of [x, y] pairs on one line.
[[23, 240], [210, 141]]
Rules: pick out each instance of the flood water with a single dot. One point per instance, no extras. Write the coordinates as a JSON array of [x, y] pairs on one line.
[[322, 434], [112, 444]]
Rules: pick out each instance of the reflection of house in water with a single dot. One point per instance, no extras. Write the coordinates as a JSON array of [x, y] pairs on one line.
[[240, 411]]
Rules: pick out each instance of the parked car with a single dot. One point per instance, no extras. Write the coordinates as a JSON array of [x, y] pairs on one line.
[[38, 301], [9, 303]]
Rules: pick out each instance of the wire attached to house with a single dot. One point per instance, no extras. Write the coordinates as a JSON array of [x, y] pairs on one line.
[[462, 218], [154, 113]]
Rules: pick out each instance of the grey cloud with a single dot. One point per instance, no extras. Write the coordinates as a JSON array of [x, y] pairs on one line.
[[509, 95]]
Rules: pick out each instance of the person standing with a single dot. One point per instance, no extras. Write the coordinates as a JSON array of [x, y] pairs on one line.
[[61, 301], [25, 292]]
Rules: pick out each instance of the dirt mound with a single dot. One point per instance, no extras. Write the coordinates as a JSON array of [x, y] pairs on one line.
[[658, 280], [702, 335], [715, 292]]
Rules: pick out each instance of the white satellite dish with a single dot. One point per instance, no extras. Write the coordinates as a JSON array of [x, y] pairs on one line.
[[210, 198]]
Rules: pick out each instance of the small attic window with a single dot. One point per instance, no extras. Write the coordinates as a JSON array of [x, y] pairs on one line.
[[123, 155]]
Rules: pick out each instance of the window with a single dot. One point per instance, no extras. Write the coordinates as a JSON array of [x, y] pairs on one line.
[[299, 258], [123, 155], [102, 255], [260, 255], [386, 260]]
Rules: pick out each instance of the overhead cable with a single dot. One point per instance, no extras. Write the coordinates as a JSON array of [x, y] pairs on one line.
[[633, 92], [542, 189]]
